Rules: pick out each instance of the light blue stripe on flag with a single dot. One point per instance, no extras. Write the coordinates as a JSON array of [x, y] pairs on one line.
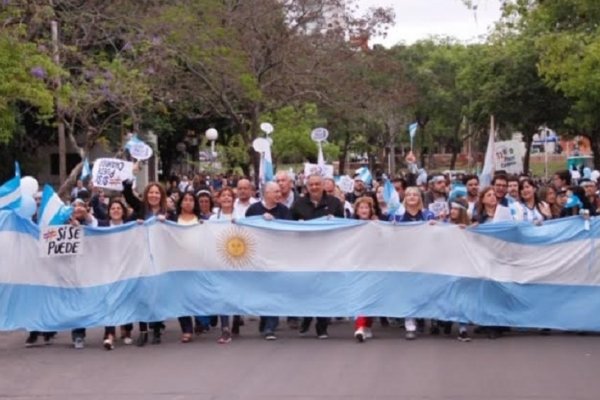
[[10, 191], [364, 174], [52, 210], [85, 169], [391, 198]]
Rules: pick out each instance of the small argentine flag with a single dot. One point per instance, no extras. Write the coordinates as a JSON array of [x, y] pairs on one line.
[[85, 170], [268, 165], [10, 192], [132, 142], [364, 175], [391, 198], [52, 210], [412, 131]]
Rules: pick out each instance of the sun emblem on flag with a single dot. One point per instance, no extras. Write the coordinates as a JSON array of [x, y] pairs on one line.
[[236, 246]]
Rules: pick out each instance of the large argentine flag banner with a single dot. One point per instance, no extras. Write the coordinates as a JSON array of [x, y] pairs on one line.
[[503, 274]]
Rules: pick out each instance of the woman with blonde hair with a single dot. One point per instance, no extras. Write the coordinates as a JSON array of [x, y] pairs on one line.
[[413, 211], [413, 206]]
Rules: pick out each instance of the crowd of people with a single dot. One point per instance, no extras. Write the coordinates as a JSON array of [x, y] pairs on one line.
[[460, 200]]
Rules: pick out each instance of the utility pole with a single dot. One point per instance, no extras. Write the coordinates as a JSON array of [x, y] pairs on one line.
[[62, 148]]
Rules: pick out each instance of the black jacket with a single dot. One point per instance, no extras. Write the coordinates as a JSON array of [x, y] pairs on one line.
[[278, 212], [304, 209]]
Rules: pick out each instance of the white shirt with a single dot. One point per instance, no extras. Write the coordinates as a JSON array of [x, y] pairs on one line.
[[239, 208], [183, 185], [192, 221], [289, 200], [531, 215], [220, 216], [502, 214]]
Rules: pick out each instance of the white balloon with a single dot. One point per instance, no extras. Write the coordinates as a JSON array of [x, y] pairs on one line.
[[260, 145], [29, 186], [28, 207]]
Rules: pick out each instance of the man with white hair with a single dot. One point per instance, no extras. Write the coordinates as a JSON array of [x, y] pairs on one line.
[[269, 208], [286, 184]]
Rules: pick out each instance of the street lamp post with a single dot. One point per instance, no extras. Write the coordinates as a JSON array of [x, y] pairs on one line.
[[212, 134]]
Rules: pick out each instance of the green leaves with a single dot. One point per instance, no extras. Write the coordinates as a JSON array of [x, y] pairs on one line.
[[291, 139], [25, 76], [566, 34]]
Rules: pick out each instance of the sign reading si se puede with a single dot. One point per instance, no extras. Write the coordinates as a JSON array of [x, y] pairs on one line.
[[61, 240], [109, 173]]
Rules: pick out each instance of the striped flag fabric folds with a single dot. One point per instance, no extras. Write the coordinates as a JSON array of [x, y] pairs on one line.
[[10, 191], [53, 210]]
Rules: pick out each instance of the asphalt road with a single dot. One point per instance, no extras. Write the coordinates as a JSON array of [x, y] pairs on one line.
[[518, 366]]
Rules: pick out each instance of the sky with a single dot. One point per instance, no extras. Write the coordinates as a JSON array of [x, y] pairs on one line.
[[419, 19]]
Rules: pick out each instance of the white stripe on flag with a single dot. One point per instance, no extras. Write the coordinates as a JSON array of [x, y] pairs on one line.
[[51, 205], [10, 198], [10, 193], [52, 208]]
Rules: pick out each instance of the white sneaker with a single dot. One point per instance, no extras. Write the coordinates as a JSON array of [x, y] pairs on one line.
[[108, 344], [360, 335], [127, 340], [79, 343], [410, 335], [368, 333]]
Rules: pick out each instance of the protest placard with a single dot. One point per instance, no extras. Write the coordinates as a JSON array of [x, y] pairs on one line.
[[439, 208], [346, 184], [140, 151], [508, 156], [109, 173], [61, 240], [326, 171]]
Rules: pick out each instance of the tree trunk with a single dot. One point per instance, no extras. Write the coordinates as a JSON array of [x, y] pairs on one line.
[[422, 146], [392, 131], [455, 145], [594, 139], [65, 187], [454, 156], [344, 154], [528, 134]]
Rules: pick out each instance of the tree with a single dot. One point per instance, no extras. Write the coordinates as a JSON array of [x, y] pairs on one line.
[[435, 65], [26, 76], [291, 140], [245, 59], [502, 79], [102, 91], [567, 35]]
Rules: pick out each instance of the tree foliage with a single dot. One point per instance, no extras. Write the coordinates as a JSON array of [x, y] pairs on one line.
[[566, 34], [26, 76]]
